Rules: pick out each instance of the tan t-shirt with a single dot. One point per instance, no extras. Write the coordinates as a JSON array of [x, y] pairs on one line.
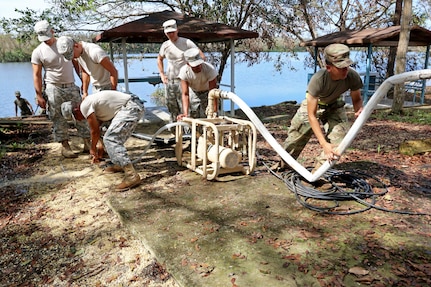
[[198, 82], [174, 53], [104, 104], [90, 59], [57, 69]]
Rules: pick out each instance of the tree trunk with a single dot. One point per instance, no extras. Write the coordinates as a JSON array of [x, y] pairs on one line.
[[393, 50], [400, 65]]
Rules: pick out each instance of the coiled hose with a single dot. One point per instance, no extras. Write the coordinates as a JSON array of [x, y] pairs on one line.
[[335, 187]]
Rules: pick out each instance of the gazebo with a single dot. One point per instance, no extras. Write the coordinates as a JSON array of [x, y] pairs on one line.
[[149, 30], [375, 37]]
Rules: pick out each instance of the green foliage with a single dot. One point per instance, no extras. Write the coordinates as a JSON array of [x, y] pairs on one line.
[[10, 145], [22, 28], [13, 50], [14, 56], [281, 24], [17, 145], [411, 115], [79, 6], [18, 39], [158, 96]]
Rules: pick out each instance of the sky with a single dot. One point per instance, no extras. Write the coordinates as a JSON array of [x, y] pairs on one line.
[[8, 7]]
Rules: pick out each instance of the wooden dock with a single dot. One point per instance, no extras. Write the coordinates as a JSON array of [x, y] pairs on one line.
[[26, 121]]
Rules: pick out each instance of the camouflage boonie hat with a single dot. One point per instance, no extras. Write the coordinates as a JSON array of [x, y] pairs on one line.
[[338, 55]]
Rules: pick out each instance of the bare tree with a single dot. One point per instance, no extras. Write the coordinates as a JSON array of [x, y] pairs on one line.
[[301, 20]]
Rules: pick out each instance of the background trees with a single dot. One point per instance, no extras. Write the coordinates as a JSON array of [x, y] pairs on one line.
[[281, 24]]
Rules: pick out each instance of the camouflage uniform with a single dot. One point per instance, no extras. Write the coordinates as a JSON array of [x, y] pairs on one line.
[[58, 94], [198, 104], [326, 86], [173, 98], [332, 116], [199, 77], [22, 104], [97, 89], [121, 128], [173, 51]]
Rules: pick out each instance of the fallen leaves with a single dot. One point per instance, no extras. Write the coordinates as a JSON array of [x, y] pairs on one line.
[[358, 271], [323, 251], [238, 256], [155, 271], [203, 269]]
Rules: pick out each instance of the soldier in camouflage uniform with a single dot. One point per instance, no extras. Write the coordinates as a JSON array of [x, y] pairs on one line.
[[122, 112], [324, 105], [173, 50], [93, 63], [197, 79], [24, 106], [59, 86]]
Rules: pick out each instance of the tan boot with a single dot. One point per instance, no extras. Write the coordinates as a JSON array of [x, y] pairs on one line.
[[87, 145], [66, 151], [131, 179], [114, 168]]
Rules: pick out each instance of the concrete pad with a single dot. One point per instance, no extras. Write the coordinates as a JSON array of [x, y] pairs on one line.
[[207, 233]]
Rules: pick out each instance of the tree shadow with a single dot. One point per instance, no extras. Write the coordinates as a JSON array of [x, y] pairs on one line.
[[420, 184]]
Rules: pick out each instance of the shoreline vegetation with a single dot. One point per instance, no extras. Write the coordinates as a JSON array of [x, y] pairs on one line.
[[15, 50]]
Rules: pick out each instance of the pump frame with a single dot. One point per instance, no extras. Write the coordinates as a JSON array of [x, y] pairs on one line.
[[239, 135]]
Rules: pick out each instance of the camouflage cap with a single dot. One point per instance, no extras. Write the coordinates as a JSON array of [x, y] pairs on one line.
[[65, 46], [338, 55], [43, 30], [170, 26], [69, 109], [193, 57]]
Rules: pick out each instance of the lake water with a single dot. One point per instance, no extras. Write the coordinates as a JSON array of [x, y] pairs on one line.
[[257, 85]]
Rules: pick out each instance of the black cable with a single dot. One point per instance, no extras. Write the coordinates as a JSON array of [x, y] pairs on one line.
[[336, 186], [343, 187]]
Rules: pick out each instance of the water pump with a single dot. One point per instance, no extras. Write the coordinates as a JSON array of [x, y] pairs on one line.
[[218, 145]]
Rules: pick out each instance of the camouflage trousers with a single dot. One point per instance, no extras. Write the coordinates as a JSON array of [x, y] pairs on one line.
[[57, 95], [198, 104], [173, 94], [334, 121], [120, 129], [96, 89], [173, 98]]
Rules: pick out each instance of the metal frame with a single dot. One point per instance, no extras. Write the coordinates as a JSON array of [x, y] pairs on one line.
[[238, 135]]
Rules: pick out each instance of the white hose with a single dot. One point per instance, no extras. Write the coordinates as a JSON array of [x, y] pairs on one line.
[[351, 134]]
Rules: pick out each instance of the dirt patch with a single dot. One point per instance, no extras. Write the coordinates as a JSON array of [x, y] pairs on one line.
[[57, 228]]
